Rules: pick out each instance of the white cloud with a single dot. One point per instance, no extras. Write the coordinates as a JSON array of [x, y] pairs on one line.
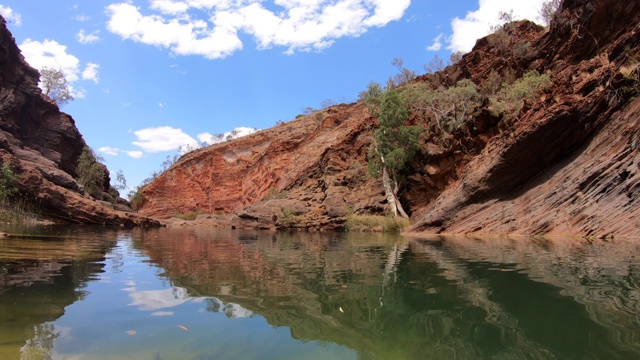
[[164, 138], [477, 24], [91, 72], [108, 150], [78, 94], [437, 44], [84, 38], [51, 54], [82, 18], [298, 25], [10, 15], [135, 154]]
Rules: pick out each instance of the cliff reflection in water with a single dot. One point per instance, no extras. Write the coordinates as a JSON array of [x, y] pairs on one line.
[[395, 298], [39, 277]]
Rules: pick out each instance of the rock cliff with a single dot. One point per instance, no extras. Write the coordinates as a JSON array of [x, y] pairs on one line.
[[42, 146], [566, 164], [570, 165], [310, 173]]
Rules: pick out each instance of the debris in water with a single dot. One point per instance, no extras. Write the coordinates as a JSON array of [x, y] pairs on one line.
[[183, 327]]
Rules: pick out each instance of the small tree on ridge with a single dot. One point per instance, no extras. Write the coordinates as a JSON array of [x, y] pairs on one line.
[[55, 86]]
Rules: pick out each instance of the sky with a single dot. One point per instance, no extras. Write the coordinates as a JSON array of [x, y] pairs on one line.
[[151, 77]]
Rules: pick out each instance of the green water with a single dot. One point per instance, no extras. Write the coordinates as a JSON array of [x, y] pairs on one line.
[[200, 293]]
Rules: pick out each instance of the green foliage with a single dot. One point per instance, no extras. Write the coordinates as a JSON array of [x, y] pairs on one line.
[[491, 85], [510, 99], [55, 86], [288, 217], [448, 108], [631, 73], [520, 49], [19, 210], [135, 197], [395, 143], [8, 183], [91, 174], [372, 97], [121, 181]]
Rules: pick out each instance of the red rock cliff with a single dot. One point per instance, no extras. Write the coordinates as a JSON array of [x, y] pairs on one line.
[[568, 164], [314, 167], [42, 145], [571, 164]]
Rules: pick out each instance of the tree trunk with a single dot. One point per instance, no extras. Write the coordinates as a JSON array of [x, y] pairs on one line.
[[391, 191]]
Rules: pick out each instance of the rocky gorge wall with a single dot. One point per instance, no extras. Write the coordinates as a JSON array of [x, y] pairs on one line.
[[567, 164], [42, 146]]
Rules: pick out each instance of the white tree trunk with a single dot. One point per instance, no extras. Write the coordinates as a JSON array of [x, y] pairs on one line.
[[391, 191]]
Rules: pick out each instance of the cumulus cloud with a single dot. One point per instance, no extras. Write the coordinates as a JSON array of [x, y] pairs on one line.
[[90, 72], [108, 150], [84, 38], [10, 15], [53, 55], [477, 24], [163, 138], [437, 44], [297, 25], [134, 154]]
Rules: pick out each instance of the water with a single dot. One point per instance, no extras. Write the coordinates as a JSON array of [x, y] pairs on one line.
[[98, 293]]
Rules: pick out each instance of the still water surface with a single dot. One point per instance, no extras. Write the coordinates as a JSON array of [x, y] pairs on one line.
[[201, 293]]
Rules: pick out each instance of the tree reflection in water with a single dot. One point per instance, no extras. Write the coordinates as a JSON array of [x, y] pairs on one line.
[[385, 297]]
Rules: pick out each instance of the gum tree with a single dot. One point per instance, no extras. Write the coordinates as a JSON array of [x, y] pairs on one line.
[[54, 85], [394, 145]]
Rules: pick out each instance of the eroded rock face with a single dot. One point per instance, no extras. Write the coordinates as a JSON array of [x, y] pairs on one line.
[[570, 165], [567, 165], [312, 172], [42, 145]]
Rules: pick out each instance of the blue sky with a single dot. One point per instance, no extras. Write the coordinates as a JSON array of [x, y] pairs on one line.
[[150, 76]]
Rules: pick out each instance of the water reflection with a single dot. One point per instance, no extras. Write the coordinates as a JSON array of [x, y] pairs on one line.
[[209, 293], [39, 277], [448, 297]]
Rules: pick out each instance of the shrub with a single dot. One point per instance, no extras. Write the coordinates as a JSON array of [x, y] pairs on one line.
[[91, 173], [288, 217], [372, 97], [8, 183], [491, 85], [449, 108], [274, 193], [404, 75], [510, 99], [135, 197], [192, 215]]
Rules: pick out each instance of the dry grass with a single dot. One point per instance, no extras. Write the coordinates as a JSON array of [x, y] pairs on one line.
[[376, 223], [19, 211]]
